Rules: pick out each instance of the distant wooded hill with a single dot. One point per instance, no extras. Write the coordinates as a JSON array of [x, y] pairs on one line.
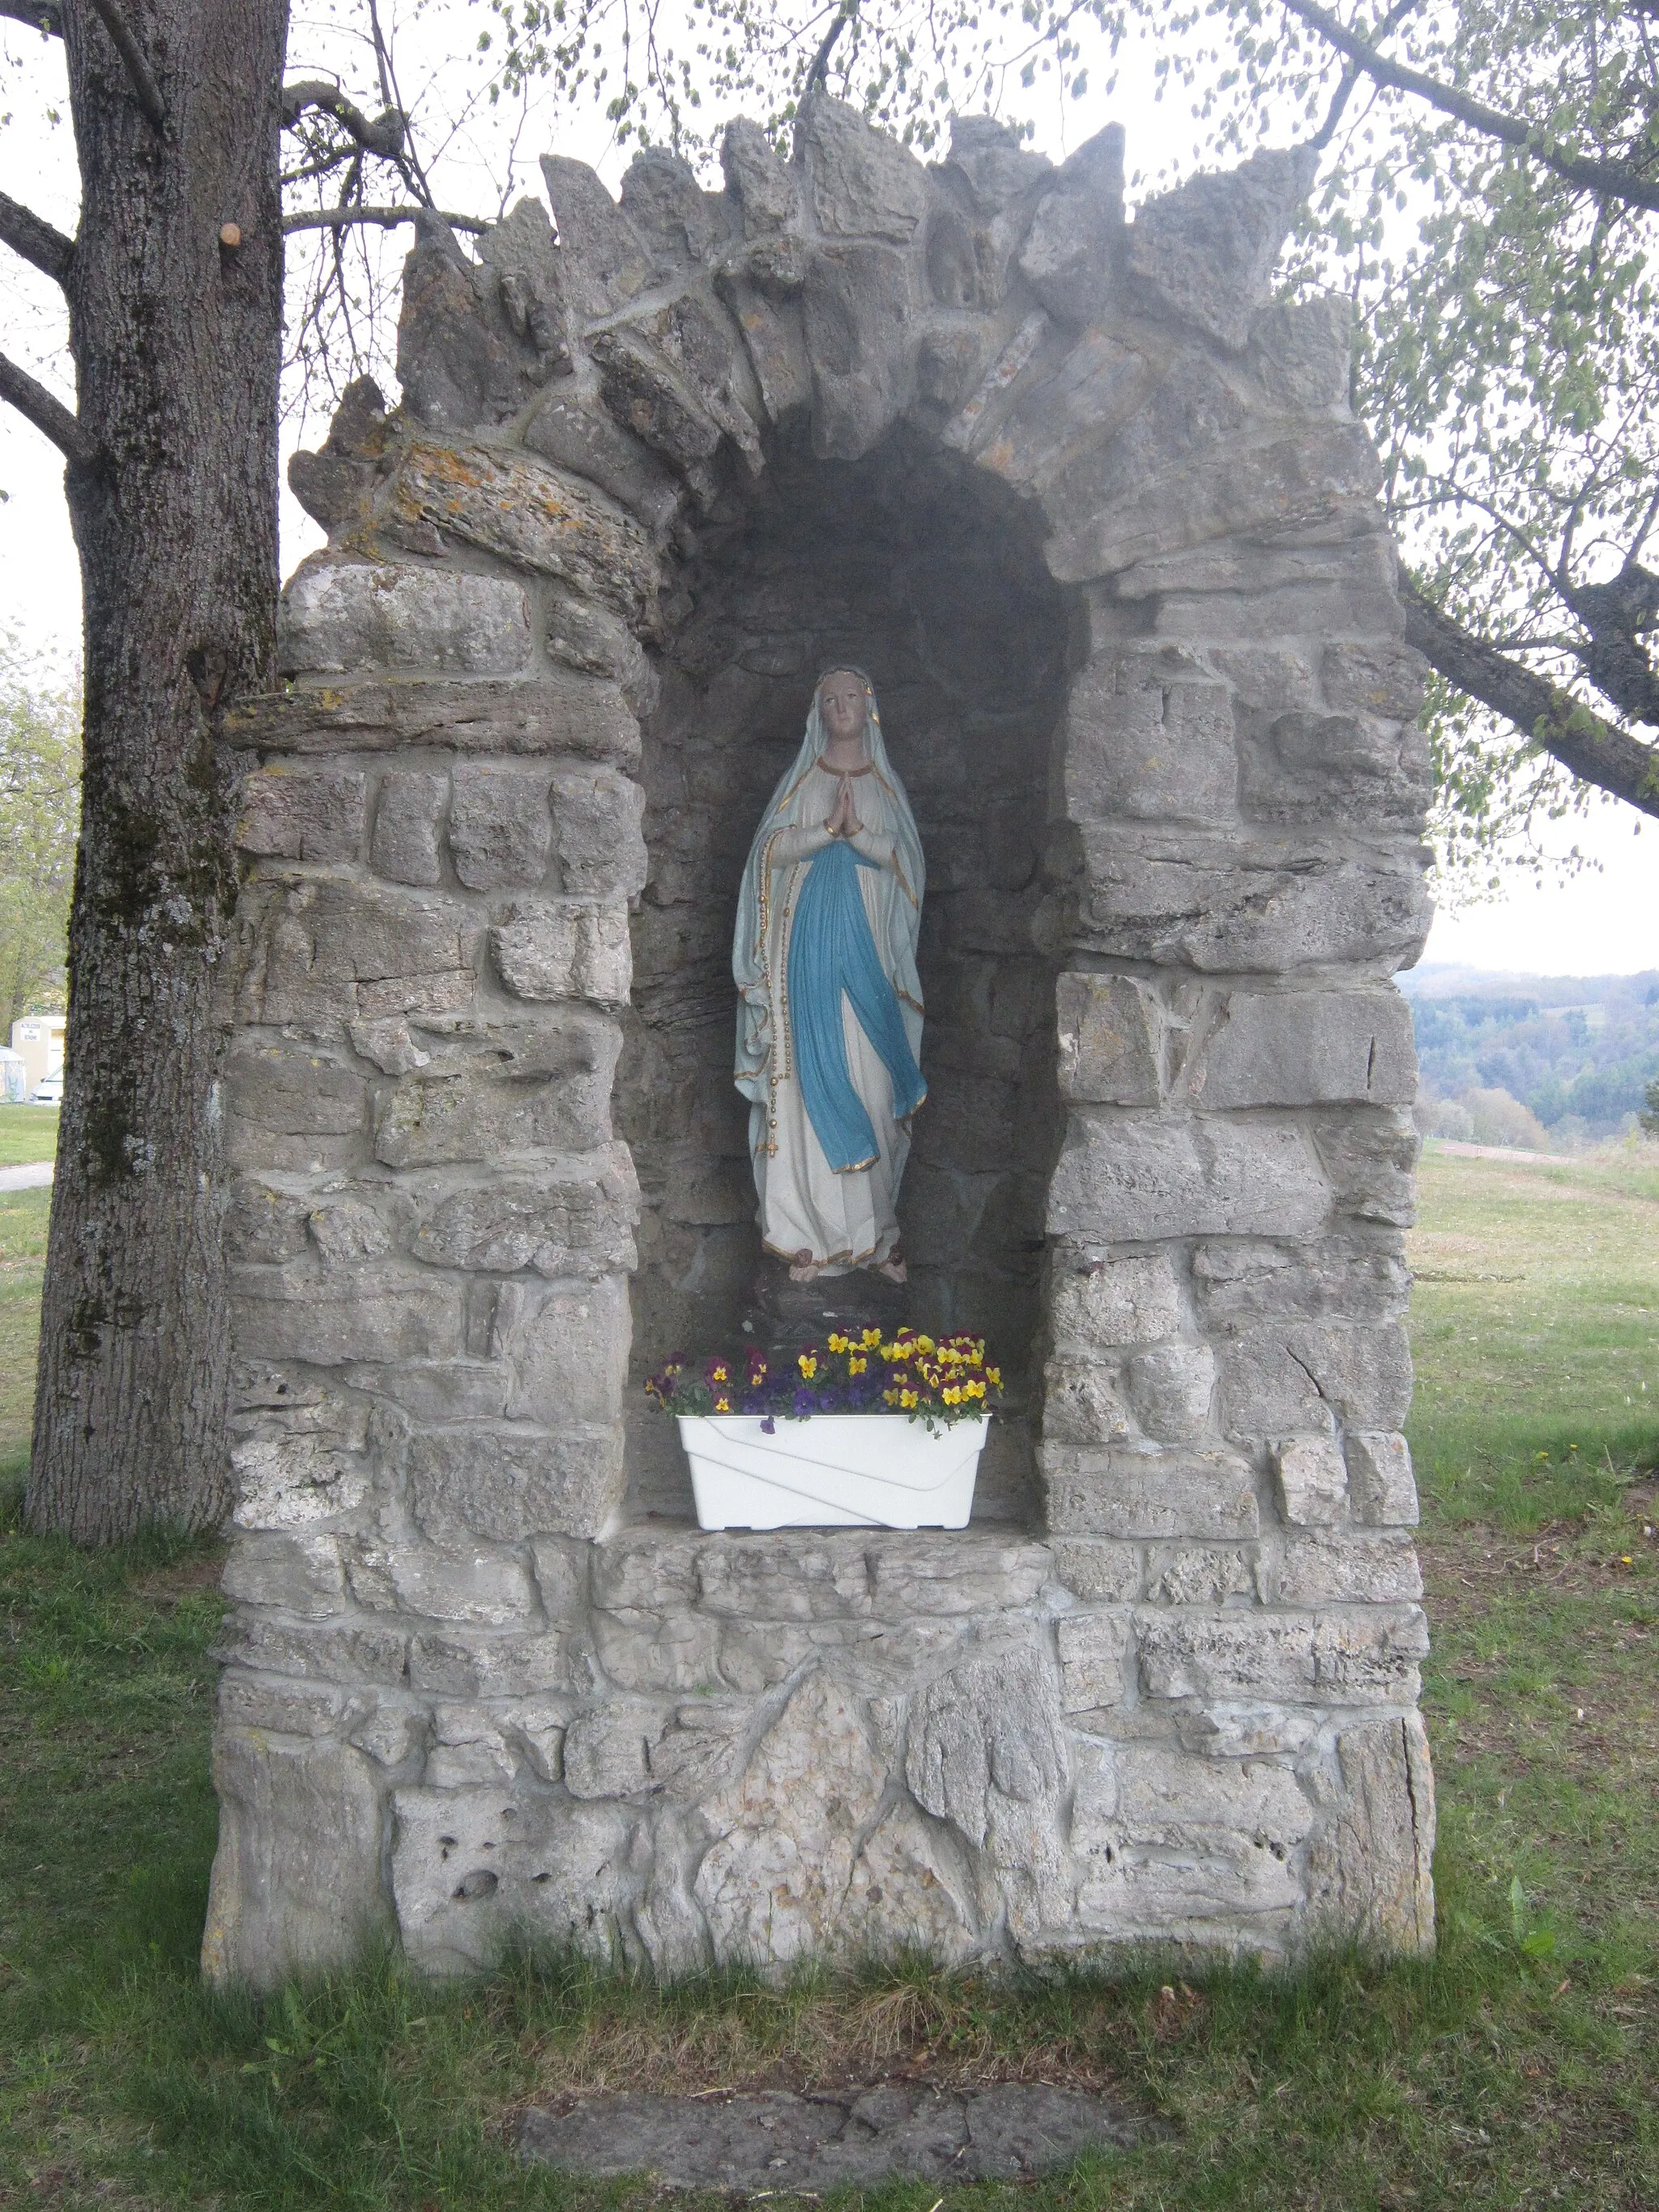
[[1576, 1052]]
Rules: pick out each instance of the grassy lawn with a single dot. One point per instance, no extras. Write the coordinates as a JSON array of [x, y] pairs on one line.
[[1516, 2069], [28, 1133]]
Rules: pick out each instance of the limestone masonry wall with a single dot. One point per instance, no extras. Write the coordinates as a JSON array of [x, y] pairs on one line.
[[1090, 506]]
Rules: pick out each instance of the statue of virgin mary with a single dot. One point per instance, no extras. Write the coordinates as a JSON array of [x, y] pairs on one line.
[[830, 1010]]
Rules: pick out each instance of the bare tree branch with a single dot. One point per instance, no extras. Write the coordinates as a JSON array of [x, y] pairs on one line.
[[139, 72], [35, 239], [386, 134], [1620, 181], [1580, 739], [50, 417], [384, 218], [818, 74], [45, 16]]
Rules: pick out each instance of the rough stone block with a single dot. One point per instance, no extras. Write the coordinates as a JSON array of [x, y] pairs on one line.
[[1171, 1388], [508, 1483], [537, 517], [293, 1109], [463, 1663], [1380, 1479], [1373, 676], [1311, 1477], [299, 1574], [607, 1751], [1247, 1278], [1160, 1796], [279, 1707], [337, 616], [406, 827], [303, 814], [1084, 1402], [296, 1878], [1125, 1177], [1303, 482], [1300, 351], [1345, 768], [501, 833], [590, 638], [547, 1090], [1349, 1568], [1097, 1570], [1181, 898], [1371, 1872], [1283, 1379], [1118, 1492], [326, 952], [331, 1318], [601, 845], [1097, 1303], [565, 949], [1356, 1655], [558, 712], [574, 431], [303, 1466], [1370, 1156], [576, 1218], [568, 1344], [661, 1651], [865, 184], [1070, 255], [1109, 1036], [1093, 1647], [1200, 1574], [1205, 252], [1149, 736], [1307, 1048], [318, 1651], [855, 308], [483, 1588], [472, 1867]]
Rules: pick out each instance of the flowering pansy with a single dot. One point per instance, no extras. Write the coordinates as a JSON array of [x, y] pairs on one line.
[[936, 1380]]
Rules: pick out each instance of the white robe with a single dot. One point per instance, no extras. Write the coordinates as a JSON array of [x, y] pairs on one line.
[[846, 1218]]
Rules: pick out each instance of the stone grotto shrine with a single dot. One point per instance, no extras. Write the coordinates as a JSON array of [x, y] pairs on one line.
[[1090, 506]]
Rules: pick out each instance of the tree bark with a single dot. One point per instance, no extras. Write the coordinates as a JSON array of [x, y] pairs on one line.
[[176, 341], [1584, 741]]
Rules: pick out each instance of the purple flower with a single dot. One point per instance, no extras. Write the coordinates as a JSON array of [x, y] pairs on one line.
[[769, 1426]]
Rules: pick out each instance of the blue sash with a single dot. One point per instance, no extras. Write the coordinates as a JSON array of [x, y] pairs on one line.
[[831, 952]]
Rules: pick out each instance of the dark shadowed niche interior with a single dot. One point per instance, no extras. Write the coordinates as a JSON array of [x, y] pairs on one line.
[[912, 566]]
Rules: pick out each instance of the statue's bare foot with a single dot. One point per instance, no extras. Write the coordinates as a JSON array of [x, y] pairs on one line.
[[893, 1266], [803, 1268]]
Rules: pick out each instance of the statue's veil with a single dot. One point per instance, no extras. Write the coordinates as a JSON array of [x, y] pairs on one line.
[[898, 898]]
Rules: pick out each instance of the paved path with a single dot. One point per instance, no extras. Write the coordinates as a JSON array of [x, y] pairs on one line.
[[30, 1176], [782, 2144], [1462, 1151]]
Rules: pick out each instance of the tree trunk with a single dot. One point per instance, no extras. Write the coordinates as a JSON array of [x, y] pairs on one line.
[[176, 336]]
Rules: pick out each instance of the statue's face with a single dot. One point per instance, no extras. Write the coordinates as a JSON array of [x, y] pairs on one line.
[[841, 702]]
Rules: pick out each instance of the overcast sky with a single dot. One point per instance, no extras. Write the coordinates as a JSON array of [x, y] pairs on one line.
[[1603, 920]]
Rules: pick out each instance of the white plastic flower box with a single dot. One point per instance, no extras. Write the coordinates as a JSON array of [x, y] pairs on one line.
[[831, 1470]]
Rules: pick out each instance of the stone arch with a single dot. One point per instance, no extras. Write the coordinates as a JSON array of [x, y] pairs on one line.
[[469, 1684]]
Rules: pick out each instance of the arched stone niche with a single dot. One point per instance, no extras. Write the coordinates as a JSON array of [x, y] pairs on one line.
[[1094, 506], [929, 575]]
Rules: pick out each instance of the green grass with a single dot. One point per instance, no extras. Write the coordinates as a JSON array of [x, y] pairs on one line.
[[23, 1216], [28, 1133], [1516, 2069]]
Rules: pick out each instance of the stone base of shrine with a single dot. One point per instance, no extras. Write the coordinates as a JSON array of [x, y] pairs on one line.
[[693, 1749]]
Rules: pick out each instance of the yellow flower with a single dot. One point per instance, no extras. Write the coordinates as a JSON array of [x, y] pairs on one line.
[[722, 1405], [897, 1350], [974, 1389], [907, 1398], [719, 1375], [994, 1376], [953, 1397], [871, 1336], [889, 1397], [807, 1364], [837, 1343], [857, 1366], [926, 1342]]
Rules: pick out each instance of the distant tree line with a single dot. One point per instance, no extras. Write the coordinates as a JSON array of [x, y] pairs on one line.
[[1580, 1070]]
